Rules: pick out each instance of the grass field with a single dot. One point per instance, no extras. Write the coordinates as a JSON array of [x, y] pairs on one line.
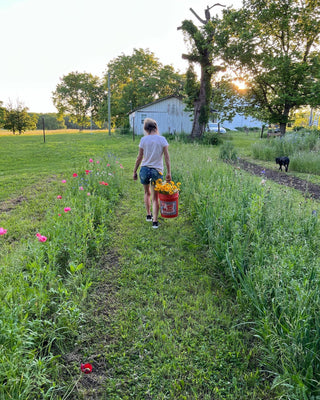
[[219, 303]]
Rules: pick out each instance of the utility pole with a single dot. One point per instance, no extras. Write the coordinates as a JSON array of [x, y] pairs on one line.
[[90, 115], [109, 107]]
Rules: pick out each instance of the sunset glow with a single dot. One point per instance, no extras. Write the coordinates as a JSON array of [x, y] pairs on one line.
[[240, 84]]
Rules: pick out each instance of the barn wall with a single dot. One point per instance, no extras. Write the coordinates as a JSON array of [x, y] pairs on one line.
[[171, 118], [240, 121], [169, 114]]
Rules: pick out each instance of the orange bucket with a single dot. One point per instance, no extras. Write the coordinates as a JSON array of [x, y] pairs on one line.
[[169, 205]]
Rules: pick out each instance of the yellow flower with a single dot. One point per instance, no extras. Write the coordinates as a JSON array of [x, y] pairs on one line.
[[167, 187]]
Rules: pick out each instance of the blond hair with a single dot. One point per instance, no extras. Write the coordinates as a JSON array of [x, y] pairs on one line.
[[150, 125]]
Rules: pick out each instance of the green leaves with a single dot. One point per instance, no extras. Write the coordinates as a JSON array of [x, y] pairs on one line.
[[274, 43], [139, 79], [80, 95], [16, 118]]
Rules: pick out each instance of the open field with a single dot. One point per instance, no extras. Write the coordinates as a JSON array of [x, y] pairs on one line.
[[219, 303]]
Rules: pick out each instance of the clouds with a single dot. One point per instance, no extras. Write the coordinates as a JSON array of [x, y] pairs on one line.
[[45, 39]]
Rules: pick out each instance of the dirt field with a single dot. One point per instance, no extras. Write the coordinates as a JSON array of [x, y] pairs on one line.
[[307, 188]]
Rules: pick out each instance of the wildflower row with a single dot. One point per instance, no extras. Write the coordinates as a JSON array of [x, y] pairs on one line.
[[47, 277]]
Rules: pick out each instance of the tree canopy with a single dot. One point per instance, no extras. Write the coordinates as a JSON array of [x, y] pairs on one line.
[[138, 79], [80, 95], [204, 52], [2, 114], [273, 45], [17, 119], [51, 121]]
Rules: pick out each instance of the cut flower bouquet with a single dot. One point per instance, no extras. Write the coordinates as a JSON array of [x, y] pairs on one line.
[[167, 187]]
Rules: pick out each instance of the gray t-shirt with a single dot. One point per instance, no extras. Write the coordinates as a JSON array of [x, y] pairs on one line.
[[153, 146]]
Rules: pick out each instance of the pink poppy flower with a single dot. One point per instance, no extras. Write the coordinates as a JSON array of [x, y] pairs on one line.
[[104, 183], [59, 215], [66, 209], [98, 161], [86, 368], [108, 165], [63, 181], [80, 188], [41, 238], [3, 231], [59, 197], [75, 175], [121, 166], [88, 194], [91, 160]]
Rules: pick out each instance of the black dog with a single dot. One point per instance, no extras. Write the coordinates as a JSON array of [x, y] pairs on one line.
[[283, 161]]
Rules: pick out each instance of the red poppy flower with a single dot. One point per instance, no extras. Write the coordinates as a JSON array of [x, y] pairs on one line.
[[86, 368]]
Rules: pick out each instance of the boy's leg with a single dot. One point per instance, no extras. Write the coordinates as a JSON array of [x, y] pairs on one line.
[[147, 198], [155, 204]]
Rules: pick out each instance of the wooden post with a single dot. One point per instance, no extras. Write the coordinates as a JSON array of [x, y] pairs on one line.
[[133, 118], [44, 133]]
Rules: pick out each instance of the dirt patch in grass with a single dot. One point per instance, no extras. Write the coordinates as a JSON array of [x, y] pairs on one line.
[[95, 337], [308, 189], [9, 205]]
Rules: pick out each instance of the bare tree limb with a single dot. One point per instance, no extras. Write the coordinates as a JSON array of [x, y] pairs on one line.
[[200, 19]]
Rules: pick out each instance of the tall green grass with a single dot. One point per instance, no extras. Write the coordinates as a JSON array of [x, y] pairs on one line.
[[302, 148], [266, 240]]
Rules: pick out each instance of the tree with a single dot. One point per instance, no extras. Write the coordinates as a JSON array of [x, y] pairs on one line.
[[2, 114], [274, 46], [205, 53], [139, 79], [18, 119], [51, 121], [80, 95]]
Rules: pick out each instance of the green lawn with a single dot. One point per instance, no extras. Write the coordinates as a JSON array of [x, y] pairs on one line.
[[161, 314]]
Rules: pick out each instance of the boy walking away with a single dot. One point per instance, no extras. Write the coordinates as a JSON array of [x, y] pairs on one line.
[[152, 148]]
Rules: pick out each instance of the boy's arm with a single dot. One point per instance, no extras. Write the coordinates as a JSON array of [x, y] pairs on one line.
[[168, 164], [138, 162]]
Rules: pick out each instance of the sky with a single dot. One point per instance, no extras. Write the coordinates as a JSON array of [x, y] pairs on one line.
[[44, 40]]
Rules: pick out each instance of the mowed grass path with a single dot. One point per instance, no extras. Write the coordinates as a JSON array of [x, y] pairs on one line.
[[162, 322], [170, 328]]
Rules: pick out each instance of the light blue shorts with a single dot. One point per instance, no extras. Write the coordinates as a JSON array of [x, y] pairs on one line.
[[149, 175]]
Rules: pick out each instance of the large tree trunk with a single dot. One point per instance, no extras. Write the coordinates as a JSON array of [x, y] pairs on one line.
[[283, 125], [197, 128], [201, 104]]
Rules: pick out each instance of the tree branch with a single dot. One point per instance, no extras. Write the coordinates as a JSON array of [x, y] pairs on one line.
[[200, 19]]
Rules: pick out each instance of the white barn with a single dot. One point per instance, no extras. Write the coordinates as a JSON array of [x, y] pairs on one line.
[[169, 112], [171, 116], [241, 121]]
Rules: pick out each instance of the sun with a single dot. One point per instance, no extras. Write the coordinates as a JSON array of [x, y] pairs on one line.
[[240, 84]]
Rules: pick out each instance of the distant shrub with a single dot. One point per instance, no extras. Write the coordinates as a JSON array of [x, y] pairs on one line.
[[212, 138], [178, 137], [169, 136], [228, 152], [247, 129]]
